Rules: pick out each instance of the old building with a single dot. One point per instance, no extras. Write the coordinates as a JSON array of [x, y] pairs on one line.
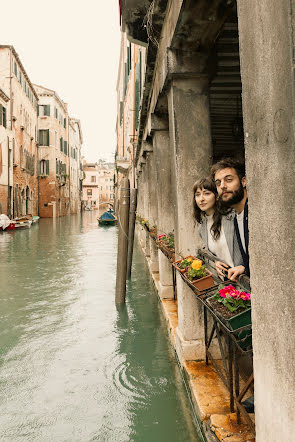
[[200, 57], [90, 186], [75, 164], [129, 91], [106, 183], [21, 120], [6, 166], [53, 154]]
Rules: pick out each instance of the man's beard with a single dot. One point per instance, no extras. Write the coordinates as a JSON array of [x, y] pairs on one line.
[[236, 197]]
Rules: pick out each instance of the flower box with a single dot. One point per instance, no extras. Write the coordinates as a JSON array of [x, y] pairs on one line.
[[176, 263], [234, 321], [202, 284]]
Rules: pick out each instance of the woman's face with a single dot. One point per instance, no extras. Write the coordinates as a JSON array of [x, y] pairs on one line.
[[205, 200]]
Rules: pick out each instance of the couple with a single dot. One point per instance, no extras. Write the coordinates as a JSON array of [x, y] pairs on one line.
[[221, 210]]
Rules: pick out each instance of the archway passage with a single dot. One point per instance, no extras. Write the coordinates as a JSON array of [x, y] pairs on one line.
[[225, 94]]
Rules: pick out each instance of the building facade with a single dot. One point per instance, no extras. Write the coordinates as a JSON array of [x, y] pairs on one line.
[[90, 186], [6, 166], [22, 122], [219, 81], [129, 91], [106, 183], [53, 154], [75, 164]]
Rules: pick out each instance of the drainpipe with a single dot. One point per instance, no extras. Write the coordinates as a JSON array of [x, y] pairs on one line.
[[68, 129], [8, 153]]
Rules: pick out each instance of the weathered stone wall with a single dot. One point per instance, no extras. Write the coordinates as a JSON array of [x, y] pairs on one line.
[[267, 67], [3, 199]]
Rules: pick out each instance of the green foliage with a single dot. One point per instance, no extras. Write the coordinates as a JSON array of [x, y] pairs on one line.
[[193, 274]]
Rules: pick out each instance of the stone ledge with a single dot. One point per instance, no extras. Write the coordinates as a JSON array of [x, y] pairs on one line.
[[209, 395]]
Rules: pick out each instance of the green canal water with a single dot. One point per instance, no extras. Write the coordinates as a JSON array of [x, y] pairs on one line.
[[72, 366]]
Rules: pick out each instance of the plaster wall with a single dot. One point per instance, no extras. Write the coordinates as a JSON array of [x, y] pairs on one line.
[[22, 123], [53, 188], [267, 66]]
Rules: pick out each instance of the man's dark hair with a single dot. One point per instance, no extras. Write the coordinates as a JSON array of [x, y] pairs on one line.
[[239, 167]]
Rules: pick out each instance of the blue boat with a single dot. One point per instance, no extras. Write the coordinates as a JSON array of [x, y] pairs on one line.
[[107, 218]]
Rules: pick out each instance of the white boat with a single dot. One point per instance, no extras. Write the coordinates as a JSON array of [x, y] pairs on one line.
[[22, 224], [35, 219]]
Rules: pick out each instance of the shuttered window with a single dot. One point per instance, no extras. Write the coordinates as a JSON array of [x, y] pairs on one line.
[[44, 167], [121, 112], [44, 137], [44, 110], [61, 144], [137, 92], [65, 147], [65, 123]]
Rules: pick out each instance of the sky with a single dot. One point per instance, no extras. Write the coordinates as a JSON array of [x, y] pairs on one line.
[[73, 47]]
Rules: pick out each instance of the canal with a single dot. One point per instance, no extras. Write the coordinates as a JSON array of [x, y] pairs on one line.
[[72, 366]]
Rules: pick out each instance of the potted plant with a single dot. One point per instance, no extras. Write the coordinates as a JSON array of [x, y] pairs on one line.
[[199, 276], [153, 232], [182, 264], [233, 306]]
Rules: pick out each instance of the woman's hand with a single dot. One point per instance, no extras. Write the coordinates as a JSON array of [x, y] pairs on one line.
[[234, 272], [221, 268]]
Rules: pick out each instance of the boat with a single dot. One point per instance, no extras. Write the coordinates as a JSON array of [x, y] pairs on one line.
[[6, 223], [22, 224], [35, 219], [107, 218]]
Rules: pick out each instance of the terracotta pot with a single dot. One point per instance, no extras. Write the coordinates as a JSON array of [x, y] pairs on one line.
[[203, 283]]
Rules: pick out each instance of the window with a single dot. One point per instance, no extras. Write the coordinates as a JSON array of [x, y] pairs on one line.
[[44, 167], [93, 179], [111, 196], [106, 179], [44, 137], [44, 110], [2, 116], [56, 113], [65, 123], [89, 191], [61, 144], [65, 147]]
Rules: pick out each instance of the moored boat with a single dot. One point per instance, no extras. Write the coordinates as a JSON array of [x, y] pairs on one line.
[[6, 223], [35, 219], [107, 218]]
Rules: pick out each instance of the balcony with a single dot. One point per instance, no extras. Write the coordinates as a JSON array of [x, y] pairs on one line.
[[122, 163]]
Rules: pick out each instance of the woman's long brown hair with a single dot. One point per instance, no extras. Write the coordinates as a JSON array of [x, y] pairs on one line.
[[208, 184]]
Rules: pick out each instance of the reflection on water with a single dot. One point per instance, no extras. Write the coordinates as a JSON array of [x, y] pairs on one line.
[[72, 366]]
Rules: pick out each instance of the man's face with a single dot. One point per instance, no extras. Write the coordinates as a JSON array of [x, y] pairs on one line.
[[229, 187]]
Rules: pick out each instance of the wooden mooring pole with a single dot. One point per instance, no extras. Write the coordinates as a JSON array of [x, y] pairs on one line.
[[132, 218], [123, 225]]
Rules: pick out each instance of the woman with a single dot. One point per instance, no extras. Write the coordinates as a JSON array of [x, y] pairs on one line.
[[215, 226]]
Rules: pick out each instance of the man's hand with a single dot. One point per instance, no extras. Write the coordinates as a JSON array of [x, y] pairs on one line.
[[221, 267], [234, 272]]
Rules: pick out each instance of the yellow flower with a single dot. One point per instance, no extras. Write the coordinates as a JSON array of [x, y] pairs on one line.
[[189, 259], [196, 264]]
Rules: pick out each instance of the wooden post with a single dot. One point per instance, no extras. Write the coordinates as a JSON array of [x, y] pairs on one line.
[[123, 225], [132, 217]]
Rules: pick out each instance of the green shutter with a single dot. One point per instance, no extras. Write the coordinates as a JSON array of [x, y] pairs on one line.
[[47, 110], [121, 111], [4, 116], [137, 95], [47, 137], [47, 167], [65, 123]]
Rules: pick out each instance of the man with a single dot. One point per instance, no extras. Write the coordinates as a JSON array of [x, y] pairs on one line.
[[230, 180]]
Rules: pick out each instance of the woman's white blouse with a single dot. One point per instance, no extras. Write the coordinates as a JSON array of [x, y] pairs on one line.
[[219, 247]]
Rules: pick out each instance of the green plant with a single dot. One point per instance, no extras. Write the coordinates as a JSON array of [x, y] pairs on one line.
[[232, 298], [193, 274], [185, 263]]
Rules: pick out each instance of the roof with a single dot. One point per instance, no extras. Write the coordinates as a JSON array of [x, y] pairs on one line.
[[22, 67], [49, 92]]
